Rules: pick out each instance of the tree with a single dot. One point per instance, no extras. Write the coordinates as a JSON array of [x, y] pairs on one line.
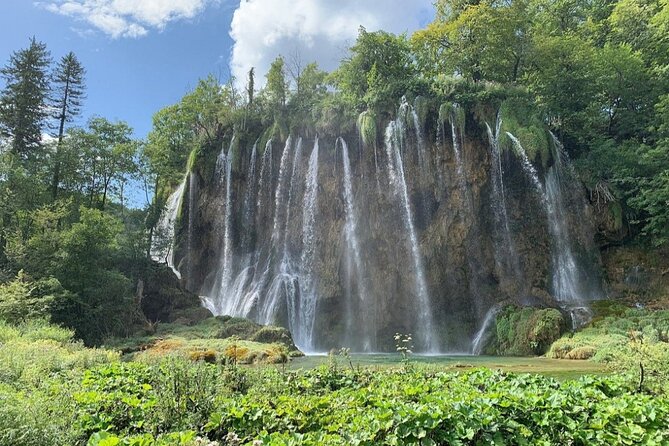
[[251, 85], [378, 72], [106, 155], [202, 107], [69, 92], [277, 86], [477, 40], [23, 102], [310, 91]]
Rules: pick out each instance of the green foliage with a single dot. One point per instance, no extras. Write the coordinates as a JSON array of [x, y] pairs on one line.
[[377, 73], [520, 118], [625, 339], [24, 100], [480, 41], [18, 302], [107, 402], [367, 128], [526, 331], [479, 407]]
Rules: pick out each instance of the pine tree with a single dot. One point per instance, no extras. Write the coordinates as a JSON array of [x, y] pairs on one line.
[[69, 93], [24, 100]]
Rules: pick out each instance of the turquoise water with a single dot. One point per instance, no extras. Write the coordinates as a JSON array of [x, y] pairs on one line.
[[560, 368]]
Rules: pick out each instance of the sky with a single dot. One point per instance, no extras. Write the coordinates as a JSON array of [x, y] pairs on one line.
[[142, 55]]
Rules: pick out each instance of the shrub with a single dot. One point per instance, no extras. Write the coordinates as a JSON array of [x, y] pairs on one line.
[[526, 331]]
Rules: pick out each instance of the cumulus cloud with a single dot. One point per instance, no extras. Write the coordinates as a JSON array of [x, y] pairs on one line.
[[127, 18], [313, 30]]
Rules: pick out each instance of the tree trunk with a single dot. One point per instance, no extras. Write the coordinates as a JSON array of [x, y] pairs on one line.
[[61, 130]]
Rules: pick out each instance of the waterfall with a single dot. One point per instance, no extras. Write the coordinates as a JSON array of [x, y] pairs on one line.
[[248, 209], [215, 300], [294, 180], [422, 149], [287, 266], [427, 340], [528, 167], [265, 176], [474, 245], [282, 284], [506, 257], [567, 276], [305, 239], [482, 334], [192, 197], [365, 305], [304, 335], [225, 168], [163, 250], [279, 195]]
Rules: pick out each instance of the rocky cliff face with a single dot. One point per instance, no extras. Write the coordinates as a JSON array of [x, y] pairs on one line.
[[423, 232]]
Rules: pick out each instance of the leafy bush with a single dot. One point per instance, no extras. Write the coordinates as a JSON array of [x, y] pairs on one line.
[[19, 301], [626, 339]]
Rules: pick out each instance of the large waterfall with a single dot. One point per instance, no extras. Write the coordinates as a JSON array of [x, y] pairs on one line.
[[346, 246]]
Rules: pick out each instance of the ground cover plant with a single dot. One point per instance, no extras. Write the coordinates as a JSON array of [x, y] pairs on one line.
[[628, 340], [80, 396]]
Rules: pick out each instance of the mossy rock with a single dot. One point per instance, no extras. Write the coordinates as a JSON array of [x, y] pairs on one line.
[[271, 334], [166, 301], [527, 331]]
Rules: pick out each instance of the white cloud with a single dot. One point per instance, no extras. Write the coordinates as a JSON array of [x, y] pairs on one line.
[[127, 18], [316, 30]]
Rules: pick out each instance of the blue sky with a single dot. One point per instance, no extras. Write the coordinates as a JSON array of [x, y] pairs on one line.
[[127, 78]]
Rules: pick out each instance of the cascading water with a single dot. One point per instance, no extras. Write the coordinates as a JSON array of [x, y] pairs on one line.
[[482, 334], [224, 173], [344, 262], [422, 147], [528, 167], [506, 257], [426, 337], [249, 201], [287, 265], [364, 306], [192, 200], [474, 246], [162, 246], [306, 311], [568, 282], [283, 284]]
